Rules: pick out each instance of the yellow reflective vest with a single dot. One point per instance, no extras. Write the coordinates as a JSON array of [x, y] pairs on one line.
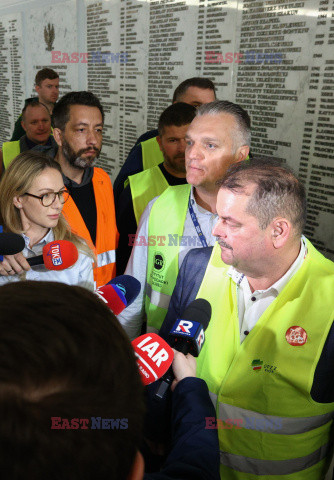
[[10, 150], [166, 221], [144, 187], [151, 153], [269, 426]]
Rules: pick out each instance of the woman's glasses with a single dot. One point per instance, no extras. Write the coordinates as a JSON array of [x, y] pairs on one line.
[[47, 199]]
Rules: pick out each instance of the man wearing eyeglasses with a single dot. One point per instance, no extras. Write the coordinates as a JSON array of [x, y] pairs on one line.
[[36, 122]]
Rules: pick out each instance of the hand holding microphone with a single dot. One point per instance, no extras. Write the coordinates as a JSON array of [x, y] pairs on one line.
[[11, 244], [183, 366], [155, 358], [57, 255]]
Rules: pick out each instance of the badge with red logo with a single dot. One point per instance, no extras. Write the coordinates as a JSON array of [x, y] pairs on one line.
[[296, 336]]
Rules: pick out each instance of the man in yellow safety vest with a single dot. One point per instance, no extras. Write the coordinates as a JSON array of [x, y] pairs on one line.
[[268, 355]]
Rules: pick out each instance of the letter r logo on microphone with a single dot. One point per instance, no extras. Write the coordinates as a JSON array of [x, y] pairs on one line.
[[184, 326]]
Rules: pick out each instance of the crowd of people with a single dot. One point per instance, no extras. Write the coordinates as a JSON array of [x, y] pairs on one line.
[[193, 214]]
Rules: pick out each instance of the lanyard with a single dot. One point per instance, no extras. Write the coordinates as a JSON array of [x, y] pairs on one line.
[[197, 225]]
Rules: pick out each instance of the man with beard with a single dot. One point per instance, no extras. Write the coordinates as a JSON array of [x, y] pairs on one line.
[[146, 154], [144, 186], [78, 122]]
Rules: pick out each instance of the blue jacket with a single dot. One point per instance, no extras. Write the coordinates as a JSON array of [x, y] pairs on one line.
[[195, 449]]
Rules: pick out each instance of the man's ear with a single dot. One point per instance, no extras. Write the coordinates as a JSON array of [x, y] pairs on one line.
[[137, 469], [159, 142], [57, 135], [37, 88], [22, 125], [242, 153], [280, 232]]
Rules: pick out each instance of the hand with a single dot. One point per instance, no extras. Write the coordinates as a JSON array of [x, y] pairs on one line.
[[183, 366], [14, 264]]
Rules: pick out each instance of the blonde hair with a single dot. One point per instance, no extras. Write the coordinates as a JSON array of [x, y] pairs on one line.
[[16, 181]]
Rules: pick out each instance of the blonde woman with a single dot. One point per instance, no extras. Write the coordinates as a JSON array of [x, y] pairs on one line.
[[32, 195]]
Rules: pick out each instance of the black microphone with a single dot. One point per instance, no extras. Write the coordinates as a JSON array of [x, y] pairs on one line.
[[187, 336], [10, 244]]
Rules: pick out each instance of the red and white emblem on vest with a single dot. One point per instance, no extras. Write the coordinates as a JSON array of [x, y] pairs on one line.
[[296, 336]]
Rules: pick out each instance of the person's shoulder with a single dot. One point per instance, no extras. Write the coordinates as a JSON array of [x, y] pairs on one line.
[[319, 261], [147, 136], [100, 171], [101, 174], [199, 256], [176, 191]]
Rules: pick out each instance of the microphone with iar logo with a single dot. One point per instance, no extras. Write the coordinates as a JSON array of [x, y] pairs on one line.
[[154, 357]]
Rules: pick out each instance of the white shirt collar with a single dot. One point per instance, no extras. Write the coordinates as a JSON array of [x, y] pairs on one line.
[[239, 278], [49, 237]]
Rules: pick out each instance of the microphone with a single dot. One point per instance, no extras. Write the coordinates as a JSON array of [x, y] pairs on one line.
[[10, 243], [57, 255], [154, 356], [128, 285], [120, 292], [187, 336]]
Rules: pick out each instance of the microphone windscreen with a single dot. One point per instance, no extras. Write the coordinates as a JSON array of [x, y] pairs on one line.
[[154, 356], [60, 254], [198, 310], [129, 285], [11, 243], [113, 297]]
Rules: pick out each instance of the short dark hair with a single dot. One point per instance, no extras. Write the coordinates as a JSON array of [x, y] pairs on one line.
[[61, 111], [278, 192], [240, 114], [198, 82], [34, 102], [44, 74], [178, 114], [64, 354]]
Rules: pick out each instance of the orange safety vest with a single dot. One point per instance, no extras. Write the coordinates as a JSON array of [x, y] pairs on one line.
[[106, 230]]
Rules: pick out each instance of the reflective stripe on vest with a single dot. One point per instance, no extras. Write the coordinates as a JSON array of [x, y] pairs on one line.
[[280, 425], [151, 153], [9, 151], [260, 467], [106, 258], [157, 298], [144, 187], [167, 217], [278, 393]]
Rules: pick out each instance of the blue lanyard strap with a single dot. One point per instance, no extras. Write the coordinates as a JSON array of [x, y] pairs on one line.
[[197, 226]]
